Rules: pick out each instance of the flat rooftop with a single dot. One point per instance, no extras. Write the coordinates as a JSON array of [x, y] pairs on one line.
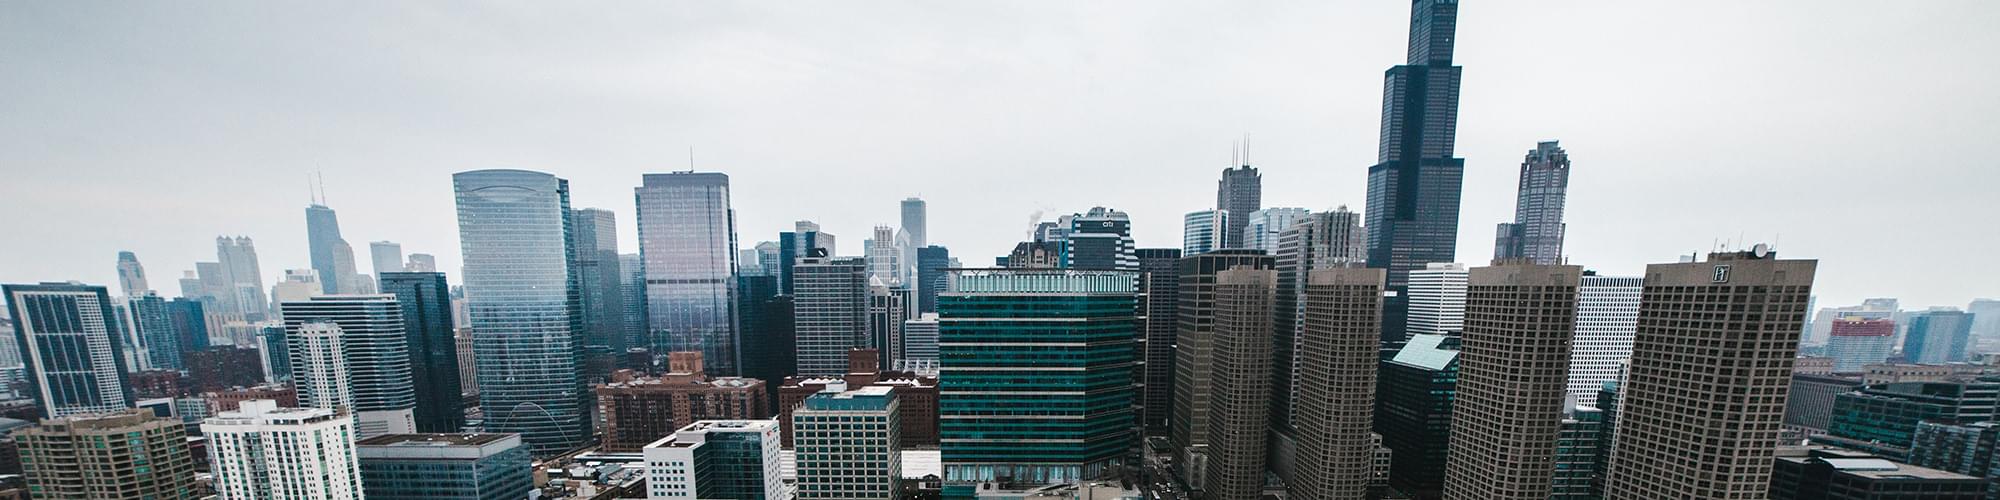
[[432, 439]]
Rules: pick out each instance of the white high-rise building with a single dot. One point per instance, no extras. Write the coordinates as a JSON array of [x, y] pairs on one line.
[[299, 285], [319, 365], [385, 256], [1262, 229], [885, 260], [920, 339], [1437, 299], [261, 451], [1202, 231], [1607, 316]]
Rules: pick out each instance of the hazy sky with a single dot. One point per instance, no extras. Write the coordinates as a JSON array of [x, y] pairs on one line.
[[1859, 133]]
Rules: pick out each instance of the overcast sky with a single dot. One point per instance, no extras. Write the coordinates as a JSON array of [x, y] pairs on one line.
[[1859, 133]]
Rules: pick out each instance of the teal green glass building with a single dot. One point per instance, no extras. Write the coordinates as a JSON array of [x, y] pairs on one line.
[[1035, 382]]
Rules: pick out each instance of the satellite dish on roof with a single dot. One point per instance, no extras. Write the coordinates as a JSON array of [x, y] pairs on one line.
[[1760, 251]]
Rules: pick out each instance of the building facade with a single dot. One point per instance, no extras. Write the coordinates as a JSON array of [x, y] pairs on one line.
[[846, 445], [829, 312], [445, 467], [1035, 378], [1536, 234], [1437, 299], [521, 293], [687, 236], [1203, 231], [1681, 389], [1414, 396], [1413, 188], [1263, 228], [263, 451], [1159, 291], [1193, 368], [1856, 343], [600, 293], [68, 337], [352, 352], [425, 299], [1335, 368], [737, 459], [128, 454], [1607, 316], [1937, 337], [1239, 193], [1240, 403], [637, 411], [1513, 377]]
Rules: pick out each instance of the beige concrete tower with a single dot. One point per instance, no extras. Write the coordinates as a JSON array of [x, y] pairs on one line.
[[1513, 374], [1240, 401], [1711, 367], [1335, 365]]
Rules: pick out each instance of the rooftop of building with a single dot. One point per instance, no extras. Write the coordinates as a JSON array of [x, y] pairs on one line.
[[1427, 352], [1863, 464], [689, 435], [433, 439]]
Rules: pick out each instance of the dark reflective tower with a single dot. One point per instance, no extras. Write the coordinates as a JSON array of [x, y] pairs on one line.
[[1413, 189]]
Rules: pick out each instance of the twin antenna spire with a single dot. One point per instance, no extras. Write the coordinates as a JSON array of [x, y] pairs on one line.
[[1239, 152], [316, 187]]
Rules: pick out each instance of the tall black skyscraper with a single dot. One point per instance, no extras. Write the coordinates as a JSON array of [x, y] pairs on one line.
[[1159, 306], [1413, 188], [1240, 192], [427, 325]]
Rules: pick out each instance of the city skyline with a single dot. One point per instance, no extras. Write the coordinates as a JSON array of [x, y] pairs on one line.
[[1312, 125]]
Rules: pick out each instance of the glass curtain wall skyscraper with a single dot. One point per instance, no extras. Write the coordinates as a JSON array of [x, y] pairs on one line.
[[427, 324], [1413, 188], [1036, 375], [521, 288], [603, 303], [687, 238]]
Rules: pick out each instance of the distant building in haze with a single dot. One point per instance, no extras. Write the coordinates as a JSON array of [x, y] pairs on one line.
[[601, 297], [1240, 193], [1859, 342], [1537, 231], [1202, 231], [131, 275], [1938, 336], [1262, 228], [385, 257]]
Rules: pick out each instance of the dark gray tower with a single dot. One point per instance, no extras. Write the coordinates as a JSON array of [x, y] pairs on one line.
[[1537, 231], [1413, 189], [1240, 192]]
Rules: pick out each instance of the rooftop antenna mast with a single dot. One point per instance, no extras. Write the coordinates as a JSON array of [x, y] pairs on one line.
[[1246, 149]]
